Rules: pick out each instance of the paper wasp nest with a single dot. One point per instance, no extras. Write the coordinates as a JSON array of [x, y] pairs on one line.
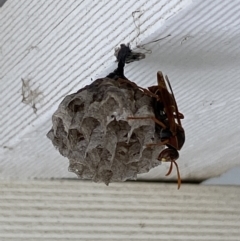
[[91, 129]]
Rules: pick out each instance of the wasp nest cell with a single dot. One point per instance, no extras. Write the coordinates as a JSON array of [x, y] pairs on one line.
[[91, 128]]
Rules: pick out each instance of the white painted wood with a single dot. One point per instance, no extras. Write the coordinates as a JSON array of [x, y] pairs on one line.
[[75, 210]]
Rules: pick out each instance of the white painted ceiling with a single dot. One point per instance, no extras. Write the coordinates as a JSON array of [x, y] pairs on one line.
[[57, 47]]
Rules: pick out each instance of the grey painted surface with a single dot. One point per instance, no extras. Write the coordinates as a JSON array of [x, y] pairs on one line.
[[231, 177]]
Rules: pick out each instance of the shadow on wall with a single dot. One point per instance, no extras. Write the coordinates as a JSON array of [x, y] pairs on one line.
[[2, 2]]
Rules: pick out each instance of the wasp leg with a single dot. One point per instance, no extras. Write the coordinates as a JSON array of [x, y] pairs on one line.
[[145, 91], [180, 116], [148, 117], [148, 92], [161, 143]]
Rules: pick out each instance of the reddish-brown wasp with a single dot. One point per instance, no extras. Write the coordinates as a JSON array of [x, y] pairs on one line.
[[167, 117], [168, 122]]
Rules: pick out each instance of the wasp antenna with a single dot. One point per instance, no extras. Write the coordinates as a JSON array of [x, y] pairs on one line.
[[175, 103], [170, 169], [178, 174]]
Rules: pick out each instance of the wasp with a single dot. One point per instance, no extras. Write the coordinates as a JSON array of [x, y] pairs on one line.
[[167, 117], [168, 122]]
